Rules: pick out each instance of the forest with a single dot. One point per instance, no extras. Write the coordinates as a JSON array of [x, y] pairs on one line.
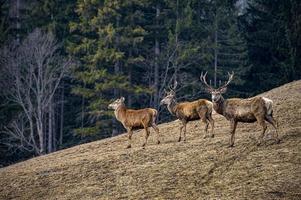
[[63, 62]]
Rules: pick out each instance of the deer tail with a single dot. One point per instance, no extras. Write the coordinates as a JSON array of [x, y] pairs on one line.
[[269, 105], [155, 115]]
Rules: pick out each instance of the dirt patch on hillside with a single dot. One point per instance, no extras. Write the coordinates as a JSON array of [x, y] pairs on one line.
[[196, 169]]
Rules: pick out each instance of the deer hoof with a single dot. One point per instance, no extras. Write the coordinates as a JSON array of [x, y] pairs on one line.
[[179, 140], [212, 136], [231, 146], [129, 146], [158, 142]]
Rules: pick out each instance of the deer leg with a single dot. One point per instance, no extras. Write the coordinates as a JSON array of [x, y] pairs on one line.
[[202, 114], [184, 132], [147, 132], [154, 125], [157, 132], [206, 127], [264, 128], [273, 122], [211, 121], [233, 128], [130, 133], [181, 129]]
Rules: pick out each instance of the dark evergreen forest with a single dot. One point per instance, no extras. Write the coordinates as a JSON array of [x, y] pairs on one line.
[[63, 61]]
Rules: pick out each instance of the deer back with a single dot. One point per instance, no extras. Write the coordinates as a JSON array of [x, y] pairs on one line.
[[191, 110], [139, 118], [244, 110]]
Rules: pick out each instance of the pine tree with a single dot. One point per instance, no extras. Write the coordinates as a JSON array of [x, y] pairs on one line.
[[106, 39], [212, 39], [230, 46], [4, 22], [272, 45], [52, 15]]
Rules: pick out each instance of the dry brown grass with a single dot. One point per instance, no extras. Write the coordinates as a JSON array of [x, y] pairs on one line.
[[196, 169]]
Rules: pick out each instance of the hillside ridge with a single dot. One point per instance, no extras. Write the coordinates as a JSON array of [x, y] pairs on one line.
[[197, 169]]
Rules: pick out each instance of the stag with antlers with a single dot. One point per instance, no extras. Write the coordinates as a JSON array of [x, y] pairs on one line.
[[189, 111], [242, 110], [133, 119]]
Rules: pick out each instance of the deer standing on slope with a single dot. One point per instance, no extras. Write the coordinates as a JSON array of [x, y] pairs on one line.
[[189, 111], [133, 119], [242, 110]]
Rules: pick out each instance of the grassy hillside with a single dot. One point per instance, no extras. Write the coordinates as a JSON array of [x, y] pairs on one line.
[[196, 169]]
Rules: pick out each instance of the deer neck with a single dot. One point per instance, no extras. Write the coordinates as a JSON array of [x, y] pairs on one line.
[[120, 112], [219, 106], [171, 107]]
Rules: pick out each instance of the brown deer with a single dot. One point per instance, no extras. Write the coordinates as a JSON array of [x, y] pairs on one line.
[[189, 111], [242, 110], [135, 119]]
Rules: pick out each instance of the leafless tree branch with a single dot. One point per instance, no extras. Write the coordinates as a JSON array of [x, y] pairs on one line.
[[34, 71]]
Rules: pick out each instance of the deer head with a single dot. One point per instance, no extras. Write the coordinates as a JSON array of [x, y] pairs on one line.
[[216, 94], [170, 95], [116, 103]]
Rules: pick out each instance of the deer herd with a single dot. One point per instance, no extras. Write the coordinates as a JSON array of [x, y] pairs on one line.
[[234, 110]]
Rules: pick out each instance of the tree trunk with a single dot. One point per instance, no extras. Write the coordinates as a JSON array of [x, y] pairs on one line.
[[130, 98], [116, 71], [157, 54], [18, 22], [50, 128], [176, 41], [15, 8], [82, 112], [31, 126], [54, 128], [40, 124], [215, 53], [41, 137], [62, 116]]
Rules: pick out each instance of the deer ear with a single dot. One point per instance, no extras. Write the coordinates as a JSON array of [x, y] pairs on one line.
[[122, 99], [223, 90], [209, 90]]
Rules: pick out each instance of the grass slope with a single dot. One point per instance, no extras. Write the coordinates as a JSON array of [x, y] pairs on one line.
[[196, 169]]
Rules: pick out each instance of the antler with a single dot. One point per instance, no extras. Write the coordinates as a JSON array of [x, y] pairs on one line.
[[175, 84], [172, 88], [229, 79], [203, 79]]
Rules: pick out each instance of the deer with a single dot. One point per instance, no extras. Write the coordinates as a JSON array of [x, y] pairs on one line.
[[189, 111], [237, 110], [135, 119]]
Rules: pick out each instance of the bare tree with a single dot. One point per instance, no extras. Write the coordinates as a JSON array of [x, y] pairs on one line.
[[35, 71], [17, 135]]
